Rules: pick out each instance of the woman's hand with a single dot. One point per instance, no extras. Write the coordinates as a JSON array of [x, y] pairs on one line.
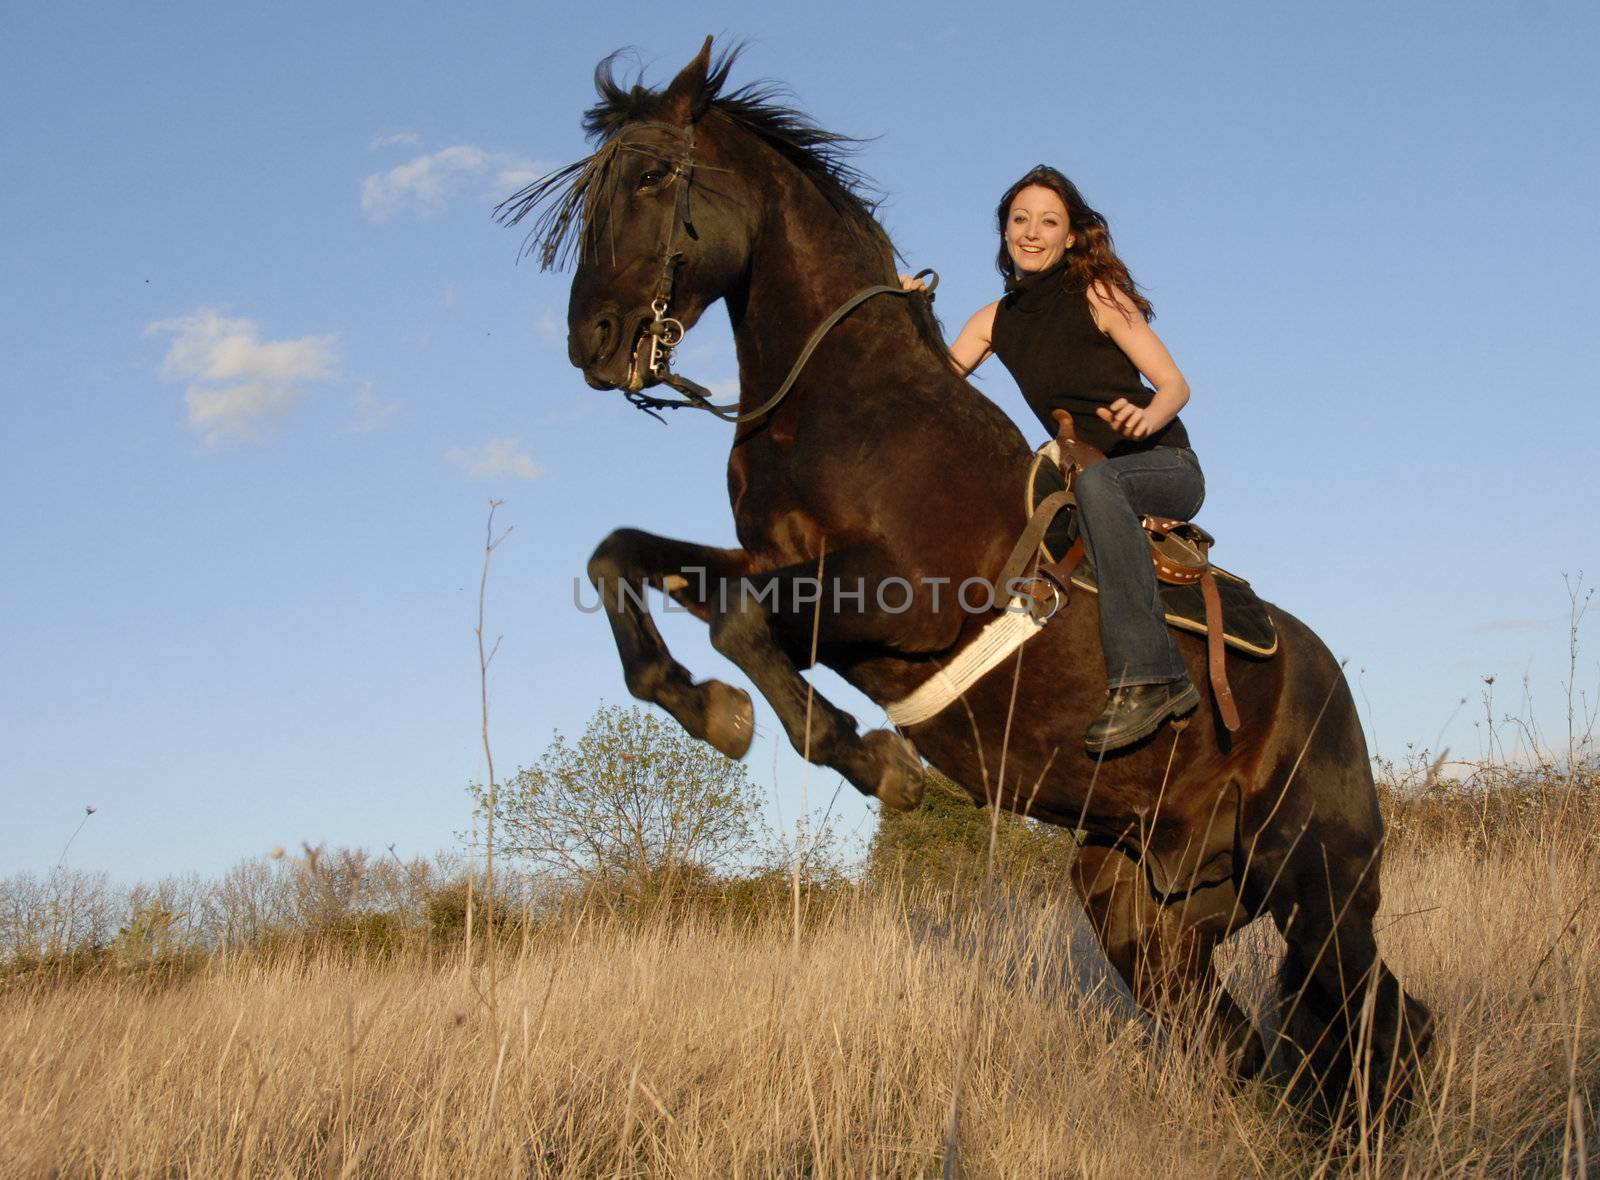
[[1119, 319], [910, 283], [1131, 421]]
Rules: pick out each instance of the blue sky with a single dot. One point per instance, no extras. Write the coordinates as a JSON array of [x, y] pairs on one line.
[[268, 358]]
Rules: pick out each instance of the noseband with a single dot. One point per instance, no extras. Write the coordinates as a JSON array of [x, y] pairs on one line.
[[652, 352]]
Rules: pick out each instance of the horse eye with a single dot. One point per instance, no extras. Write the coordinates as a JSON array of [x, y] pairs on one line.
[[651, 178]]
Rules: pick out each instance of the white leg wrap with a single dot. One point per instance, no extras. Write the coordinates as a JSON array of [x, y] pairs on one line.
[[980, 657]]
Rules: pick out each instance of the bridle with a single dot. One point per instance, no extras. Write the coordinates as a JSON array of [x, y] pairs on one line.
[[652, 351]]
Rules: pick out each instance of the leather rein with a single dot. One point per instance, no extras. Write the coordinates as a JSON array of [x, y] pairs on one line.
[[652, 355]]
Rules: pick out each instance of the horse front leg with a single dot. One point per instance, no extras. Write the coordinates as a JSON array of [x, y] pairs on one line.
[[757, 623], [1163, 951], [623, 565]]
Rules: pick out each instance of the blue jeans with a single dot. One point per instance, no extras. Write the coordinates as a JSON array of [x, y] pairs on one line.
[[1112, 497]]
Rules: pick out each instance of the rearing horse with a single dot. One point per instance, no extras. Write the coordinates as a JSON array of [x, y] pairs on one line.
[[883, 472]]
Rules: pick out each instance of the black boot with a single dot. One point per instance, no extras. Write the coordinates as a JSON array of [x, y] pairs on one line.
[[1137, 711]]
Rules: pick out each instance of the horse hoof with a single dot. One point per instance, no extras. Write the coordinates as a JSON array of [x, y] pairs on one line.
[[900, 781], [730, 719]]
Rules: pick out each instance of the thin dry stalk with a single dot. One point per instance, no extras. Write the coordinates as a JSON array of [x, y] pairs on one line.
[[745, 1059], [62, 859], [490, 544], [952, 1135], [805, 753]]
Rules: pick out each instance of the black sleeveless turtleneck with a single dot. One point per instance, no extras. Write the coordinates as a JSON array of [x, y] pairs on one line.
[[1045, 335]]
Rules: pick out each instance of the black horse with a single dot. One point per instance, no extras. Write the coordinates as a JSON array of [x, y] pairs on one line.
[[885, 475]]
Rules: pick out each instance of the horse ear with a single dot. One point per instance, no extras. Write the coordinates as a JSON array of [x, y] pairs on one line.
[[686, 98]]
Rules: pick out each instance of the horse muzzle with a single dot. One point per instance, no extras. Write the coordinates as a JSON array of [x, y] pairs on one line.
[[644, 362], [594, 345], [617, 351]]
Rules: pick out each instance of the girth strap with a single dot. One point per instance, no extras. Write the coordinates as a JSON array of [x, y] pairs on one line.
[[1216, 652], [1027, 546], [1060, 572]]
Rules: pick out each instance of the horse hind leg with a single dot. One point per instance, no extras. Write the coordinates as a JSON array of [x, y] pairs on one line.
[[1360, 1036], [622, 566], [1164, 953]]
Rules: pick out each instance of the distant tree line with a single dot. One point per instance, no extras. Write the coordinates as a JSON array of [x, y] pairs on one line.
[[635, 820]]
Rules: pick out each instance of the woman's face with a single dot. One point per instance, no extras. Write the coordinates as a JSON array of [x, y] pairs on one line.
[[1038, 233]]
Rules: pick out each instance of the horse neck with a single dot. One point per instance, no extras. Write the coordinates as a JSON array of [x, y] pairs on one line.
[[806, 260]]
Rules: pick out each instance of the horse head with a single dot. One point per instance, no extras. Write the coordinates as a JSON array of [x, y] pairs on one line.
[[660, 226]]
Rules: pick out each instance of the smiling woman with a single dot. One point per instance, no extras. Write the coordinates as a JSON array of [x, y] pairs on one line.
[[1074, 332], [1038, 231]]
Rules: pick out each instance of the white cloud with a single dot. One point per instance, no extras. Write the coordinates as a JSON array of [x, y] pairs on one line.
[[499, 458], [428, 182], [239, 382], [397, 139], [371, 411], [514, 178], [235, 410], [550, 328], [424, 181]]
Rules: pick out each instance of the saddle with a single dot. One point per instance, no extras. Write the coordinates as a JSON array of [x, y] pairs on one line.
[[1179, 552]]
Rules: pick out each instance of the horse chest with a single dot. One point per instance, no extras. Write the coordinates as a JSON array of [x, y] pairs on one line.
[[768, 518]]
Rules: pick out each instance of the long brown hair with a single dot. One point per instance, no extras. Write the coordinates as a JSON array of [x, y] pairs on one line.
[[1091, 258]]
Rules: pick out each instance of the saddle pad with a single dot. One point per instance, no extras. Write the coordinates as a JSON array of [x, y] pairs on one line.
[[1246, 620]]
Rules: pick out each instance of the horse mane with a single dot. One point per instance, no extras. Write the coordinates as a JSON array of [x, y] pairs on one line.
[[568, 194]]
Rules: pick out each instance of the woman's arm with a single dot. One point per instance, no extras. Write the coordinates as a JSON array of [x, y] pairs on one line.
[[1115, 315], [972, 346]]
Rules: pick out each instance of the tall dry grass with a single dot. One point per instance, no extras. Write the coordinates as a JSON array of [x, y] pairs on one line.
[[712, 1047]]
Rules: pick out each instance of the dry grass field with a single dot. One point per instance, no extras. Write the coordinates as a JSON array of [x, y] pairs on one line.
[[689, 1046]]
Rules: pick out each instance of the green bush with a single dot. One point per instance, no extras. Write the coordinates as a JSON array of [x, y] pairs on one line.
[[633, 803], [945, 843], [373, 936]]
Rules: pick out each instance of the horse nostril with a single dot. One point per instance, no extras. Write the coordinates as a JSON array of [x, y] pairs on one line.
[[601, 338], [594, 338]]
